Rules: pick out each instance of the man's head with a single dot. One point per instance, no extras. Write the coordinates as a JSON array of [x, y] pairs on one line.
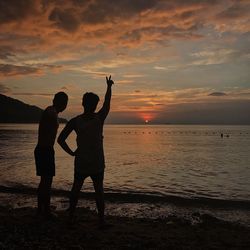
[[90, 101], [60, 101]]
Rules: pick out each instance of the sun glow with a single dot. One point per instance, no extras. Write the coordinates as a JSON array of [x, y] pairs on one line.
[[146, 117]]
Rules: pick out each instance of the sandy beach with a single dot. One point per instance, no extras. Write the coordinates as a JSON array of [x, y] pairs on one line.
[[21, 229]]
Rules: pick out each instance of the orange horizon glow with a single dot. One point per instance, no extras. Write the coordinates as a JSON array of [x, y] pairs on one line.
[[147, 117]]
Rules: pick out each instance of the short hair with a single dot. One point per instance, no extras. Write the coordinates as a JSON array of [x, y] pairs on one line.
[[90, 101], [60, 98]]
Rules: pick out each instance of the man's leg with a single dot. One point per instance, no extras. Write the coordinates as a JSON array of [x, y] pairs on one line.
[[40, 205], [74, 195], [99, 196], [43, 196]]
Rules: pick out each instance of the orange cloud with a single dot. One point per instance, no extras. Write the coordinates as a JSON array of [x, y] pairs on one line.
[[7, 70], [57, 29], [132, 40], [4, 89]]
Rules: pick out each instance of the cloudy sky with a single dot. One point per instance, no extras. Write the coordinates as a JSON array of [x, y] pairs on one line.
[[184, 61]]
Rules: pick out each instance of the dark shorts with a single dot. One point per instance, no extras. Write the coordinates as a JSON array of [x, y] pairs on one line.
[[45, 161], [94, 177]]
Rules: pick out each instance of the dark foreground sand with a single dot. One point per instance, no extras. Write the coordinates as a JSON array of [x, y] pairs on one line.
[[21, 229]]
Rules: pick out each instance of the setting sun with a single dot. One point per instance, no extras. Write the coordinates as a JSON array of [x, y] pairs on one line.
[[146, 117]]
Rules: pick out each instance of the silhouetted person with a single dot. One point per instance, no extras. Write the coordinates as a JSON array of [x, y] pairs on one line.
[[44, 152], [89, 155]]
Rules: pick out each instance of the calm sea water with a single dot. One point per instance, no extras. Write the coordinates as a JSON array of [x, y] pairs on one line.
[[186, 161]]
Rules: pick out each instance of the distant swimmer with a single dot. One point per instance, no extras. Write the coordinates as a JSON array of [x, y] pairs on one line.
[[221, 135]]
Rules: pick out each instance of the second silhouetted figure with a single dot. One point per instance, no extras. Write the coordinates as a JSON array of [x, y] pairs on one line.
[[89, 155]]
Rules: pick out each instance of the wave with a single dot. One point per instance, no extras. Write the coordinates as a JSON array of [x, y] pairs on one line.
[[138, 197]]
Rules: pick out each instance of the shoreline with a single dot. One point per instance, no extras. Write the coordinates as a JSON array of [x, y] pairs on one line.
[[21, 229], [136, 205], [138, 222], [133, 197]]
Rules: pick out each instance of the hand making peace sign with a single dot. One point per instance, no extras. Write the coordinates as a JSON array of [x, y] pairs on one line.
[[109, 81]]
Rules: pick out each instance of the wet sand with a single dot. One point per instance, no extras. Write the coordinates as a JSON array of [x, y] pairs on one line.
[[20, 228], [138, 222]]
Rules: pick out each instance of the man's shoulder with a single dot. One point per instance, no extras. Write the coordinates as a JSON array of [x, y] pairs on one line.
[[50, 111], [72, 121], [74, 118]]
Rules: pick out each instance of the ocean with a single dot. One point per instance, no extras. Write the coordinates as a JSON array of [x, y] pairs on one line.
[[152, 171], [188, 161]]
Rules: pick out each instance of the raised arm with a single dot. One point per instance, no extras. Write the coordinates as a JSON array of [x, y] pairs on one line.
[[106, 105], [64, 135]]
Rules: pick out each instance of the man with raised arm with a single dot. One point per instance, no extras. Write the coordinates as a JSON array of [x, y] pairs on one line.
[[45, 154], [89, 155]]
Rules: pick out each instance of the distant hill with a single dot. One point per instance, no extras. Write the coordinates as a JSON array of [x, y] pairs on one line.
[[15, 111]]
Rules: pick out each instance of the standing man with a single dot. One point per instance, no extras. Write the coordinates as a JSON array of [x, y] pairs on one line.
[[89, 155], [45, 154]]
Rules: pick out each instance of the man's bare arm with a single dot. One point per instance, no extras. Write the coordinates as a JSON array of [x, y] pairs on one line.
[[62, 139], [106, 105], [48, 128]]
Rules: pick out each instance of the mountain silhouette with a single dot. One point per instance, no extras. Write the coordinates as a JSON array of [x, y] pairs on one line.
[[15, 111]]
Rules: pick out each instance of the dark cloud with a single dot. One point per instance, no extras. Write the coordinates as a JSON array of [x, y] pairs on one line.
[[34, 94], [70, 14], [36, 69], [237, 10], [77, 3], [101, 11], [65, 19], [114, 11], [186, 14], [14, 70], [11, 42], [98, 23], [15, 10], [217, 94], [128, 22], [4, 89], [228, 112], [172, 5], [162, 33], [6, 52]]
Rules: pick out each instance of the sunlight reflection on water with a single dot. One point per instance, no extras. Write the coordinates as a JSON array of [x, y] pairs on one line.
[[188, 161]]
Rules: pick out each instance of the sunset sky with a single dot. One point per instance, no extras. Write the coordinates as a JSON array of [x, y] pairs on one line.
[[178, 61]]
